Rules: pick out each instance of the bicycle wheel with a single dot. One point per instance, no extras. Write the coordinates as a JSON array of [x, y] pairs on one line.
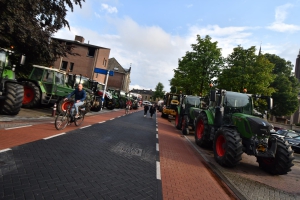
[[61, 121], [80, 119]]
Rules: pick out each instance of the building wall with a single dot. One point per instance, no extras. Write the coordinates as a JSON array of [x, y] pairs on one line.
[[85, 64], [115, 81]]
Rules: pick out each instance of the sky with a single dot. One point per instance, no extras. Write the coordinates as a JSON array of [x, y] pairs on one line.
[[150, 36]]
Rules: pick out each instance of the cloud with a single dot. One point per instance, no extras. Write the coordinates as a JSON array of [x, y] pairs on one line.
[[280, 16], [109, 9]]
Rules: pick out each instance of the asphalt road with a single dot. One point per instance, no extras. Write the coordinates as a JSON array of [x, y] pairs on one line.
[[111, 160]]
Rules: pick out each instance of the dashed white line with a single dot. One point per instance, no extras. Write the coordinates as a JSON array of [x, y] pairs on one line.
[[17, 127], [156, 135], [85, 127], [54, 136], [157, 147], [112, 118], [156, 129], [158, 175], [3, 150]]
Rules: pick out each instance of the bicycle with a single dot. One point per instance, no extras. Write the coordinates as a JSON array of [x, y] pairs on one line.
[[66, 118]]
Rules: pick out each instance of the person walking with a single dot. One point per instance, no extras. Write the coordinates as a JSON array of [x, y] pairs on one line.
[[146, 108], [128, 105], [152, 110], [80, 96]]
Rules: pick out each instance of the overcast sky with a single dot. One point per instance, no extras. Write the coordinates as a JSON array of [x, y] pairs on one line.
[[150, 36]]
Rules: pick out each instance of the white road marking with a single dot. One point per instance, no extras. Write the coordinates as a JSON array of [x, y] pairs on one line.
[[47, 138], [157, 147], [3, 150], [158, 175], [17, 127], [101, 122], [85, 127]]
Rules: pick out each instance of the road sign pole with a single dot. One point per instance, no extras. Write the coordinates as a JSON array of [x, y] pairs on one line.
[[103, 95]]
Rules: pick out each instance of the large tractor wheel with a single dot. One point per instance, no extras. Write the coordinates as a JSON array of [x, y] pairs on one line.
[[110, 104], [96, 107], [282, 162], [228, 147], [32, 95], [62, 106], [185, 125], [202, 131], [12, 104], [178, 121]]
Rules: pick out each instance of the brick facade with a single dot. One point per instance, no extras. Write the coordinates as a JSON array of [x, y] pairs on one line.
[[90, 57], [121, 79]]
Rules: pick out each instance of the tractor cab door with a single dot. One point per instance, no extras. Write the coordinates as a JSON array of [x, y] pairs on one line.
[[59, 88], [48, 80]]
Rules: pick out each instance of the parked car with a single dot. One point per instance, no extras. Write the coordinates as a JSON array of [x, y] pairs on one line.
[[287, 133], [145, 102], [295, 142]]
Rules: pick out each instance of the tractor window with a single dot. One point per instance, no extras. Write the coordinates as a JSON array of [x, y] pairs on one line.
[[193, 102], [37, 74], [59, 78], [48, 76], [240, 101], [2, 59], [85, 82]]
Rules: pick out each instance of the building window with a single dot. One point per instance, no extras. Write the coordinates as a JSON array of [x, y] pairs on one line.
[[145, 97], [91, 52], [71, 67], [64, 65], [104, 62]]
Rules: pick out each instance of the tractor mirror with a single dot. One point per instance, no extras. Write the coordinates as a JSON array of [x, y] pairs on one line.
[[270, 103], [213, 96], [22, 62]]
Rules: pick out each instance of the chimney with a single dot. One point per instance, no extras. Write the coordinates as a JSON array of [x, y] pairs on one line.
[[79, 38]]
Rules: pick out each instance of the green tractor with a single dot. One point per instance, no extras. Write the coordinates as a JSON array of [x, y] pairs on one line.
[[47, 86], [187, 112], [11, 91], [230, 126]]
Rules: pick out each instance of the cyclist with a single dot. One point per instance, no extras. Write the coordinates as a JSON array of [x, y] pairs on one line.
[[80, 96], [128, 104]]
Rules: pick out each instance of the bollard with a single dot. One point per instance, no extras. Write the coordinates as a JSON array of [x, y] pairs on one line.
[[54, 110]]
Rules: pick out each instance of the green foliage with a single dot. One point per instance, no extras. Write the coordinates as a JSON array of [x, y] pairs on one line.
[[159, 93], [28, 25], [286, 87], [244, 69], [197, 69]]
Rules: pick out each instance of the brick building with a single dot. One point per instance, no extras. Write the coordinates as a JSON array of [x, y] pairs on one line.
[[121, 78], [89, 58], [146, 94]]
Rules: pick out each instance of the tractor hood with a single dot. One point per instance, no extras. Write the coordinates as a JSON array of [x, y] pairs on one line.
[[107, 94], [249, 125]]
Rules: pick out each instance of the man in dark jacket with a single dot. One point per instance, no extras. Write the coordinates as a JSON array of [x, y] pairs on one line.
[[146, 108], [80, 96], [152, 110]]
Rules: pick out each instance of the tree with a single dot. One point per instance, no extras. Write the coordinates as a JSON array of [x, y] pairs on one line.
[[29, 25], [198, 68], [245, 70], [286, 87], [159, 93]]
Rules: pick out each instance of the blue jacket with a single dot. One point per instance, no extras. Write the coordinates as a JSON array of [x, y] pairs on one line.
[[79, 95]]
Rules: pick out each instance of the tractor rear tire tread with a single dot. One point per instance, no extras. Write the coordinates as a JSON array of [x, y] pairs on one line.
[[36, 92], [14, 98], [204, 141], [283, 160], [233, 147]]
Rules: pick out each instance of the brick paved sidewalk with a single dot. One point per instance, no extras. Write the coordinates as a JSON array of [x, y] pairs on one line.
[[184, 173]]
